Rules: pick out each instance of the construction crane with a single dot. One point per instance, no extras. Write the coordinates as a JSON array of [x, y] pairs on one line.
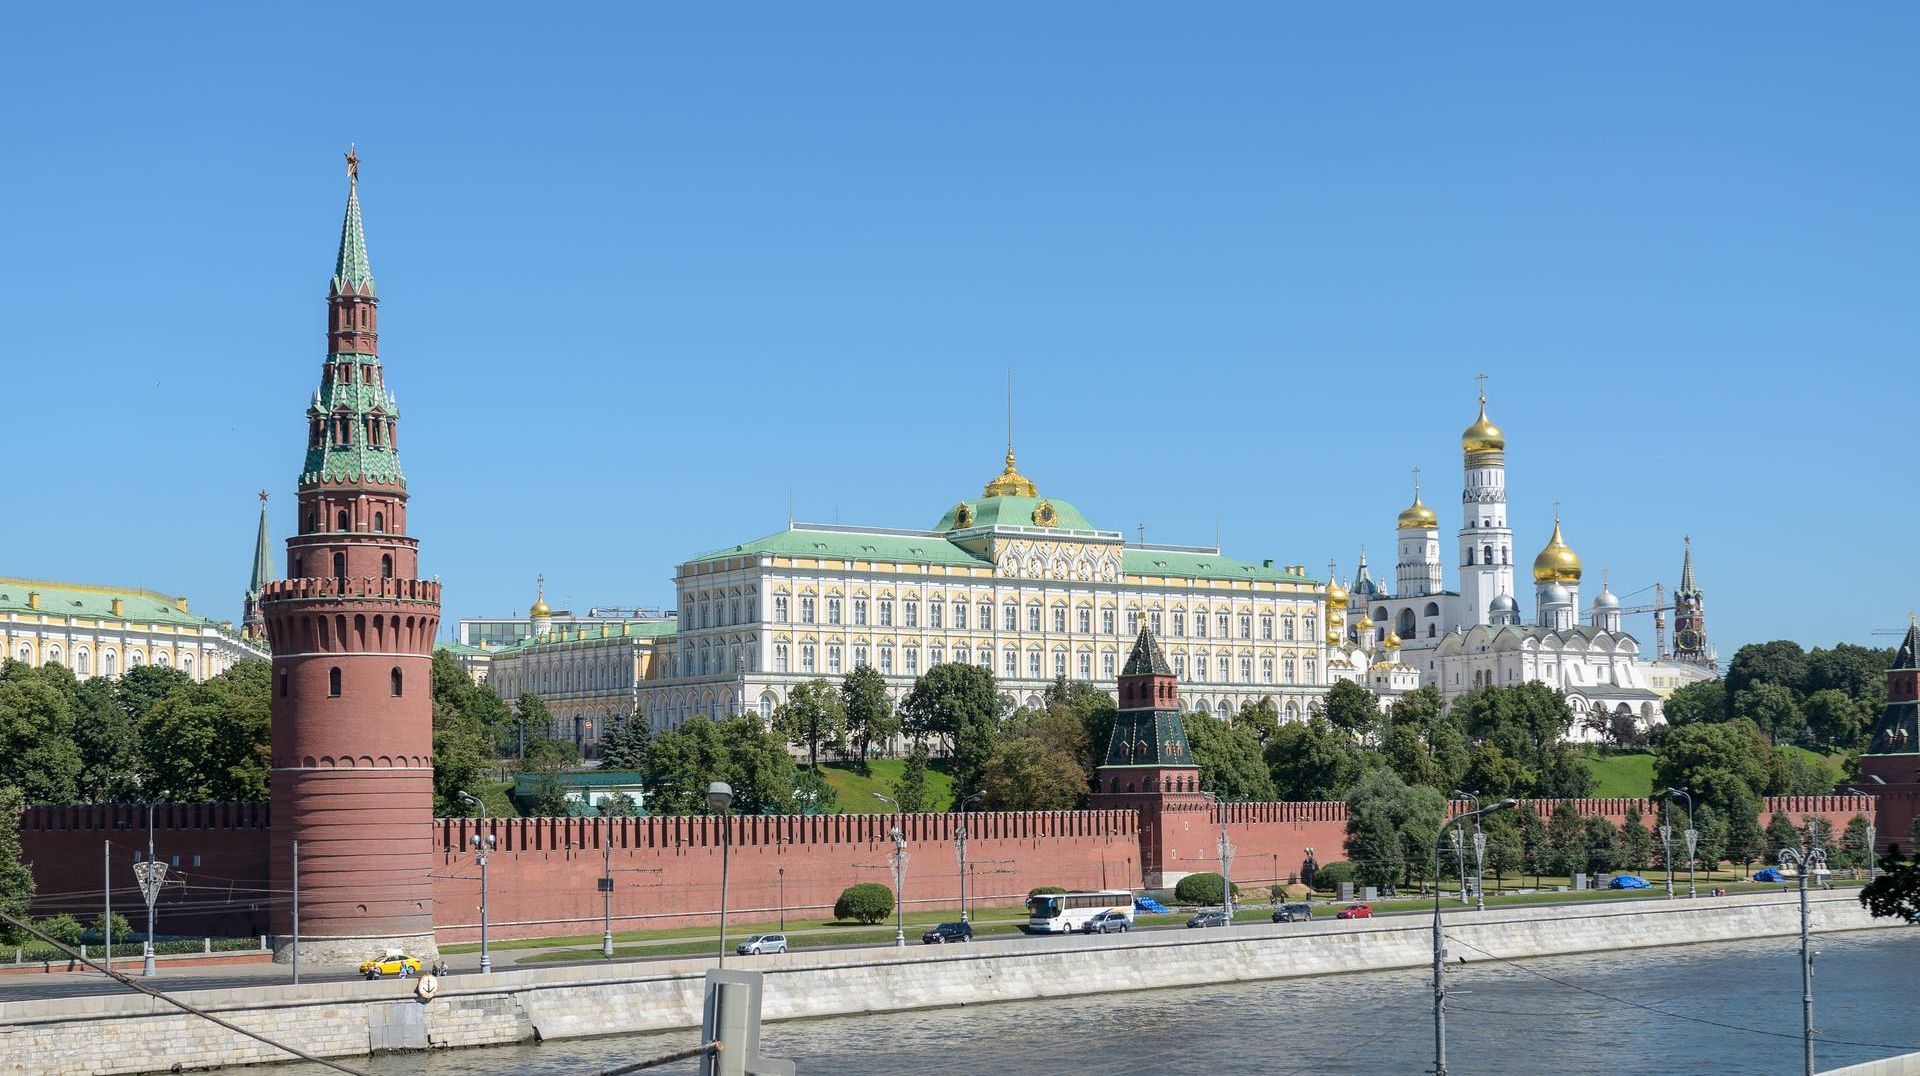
[[1660, 608]]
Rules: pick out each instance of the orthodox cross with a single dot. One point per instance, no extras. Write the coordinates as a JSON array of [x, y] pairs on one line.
[[1416, 483], [1482, 379]]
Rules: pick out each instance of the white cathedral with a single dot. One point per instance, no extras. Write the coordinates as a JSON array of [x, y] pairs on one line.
[[1422, 633]]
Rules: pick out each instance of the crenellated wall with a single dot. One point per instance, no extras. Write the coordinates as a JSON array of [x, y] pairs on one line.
[[543, 874]]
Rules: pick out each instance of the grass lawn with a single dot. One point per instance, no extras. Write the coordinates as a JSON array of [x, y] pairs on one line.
[[1833, 764], [1622, 776], [854, 790]]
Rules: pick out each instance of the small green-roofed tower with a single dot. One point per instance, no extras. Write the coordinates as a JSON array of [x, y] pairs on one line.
[[1150, 769]]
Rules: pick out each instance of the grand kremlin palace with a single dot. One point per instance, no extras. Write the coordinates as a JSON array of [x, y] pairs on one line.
[[1012, 581]]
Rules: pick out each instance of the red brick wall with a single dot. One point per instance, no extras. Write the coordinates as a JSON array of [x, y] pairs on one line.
[[541, 876]]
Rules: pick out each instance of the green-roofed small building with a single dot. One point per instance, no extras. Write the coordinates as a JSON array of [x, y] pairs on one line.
[[104, 630], [1015, 581]]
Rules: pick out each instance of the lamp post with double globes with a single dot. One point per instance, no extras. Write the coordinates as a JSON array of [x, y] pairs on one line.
[[1692, 836], [960, 849], [481, 846], [720, 798], [1439, 938]]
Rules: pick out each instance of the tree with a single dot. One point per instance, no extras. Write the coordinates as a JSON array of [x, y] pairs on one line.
[[1722, 764], [1702, 702], [1772, 709], [1204, 888], [1781, 663], [1858, 672], [811, 716], [1566, 841], [1781, 833], [626, 743], [1494, 774], [1229, 758], [108, 739], [910, 790], [1352, 709], [1311, 760], [1373, 845], [1835, 720], [1093, 708], [812, 794], [864, 902], [1528, 723], [1025, 773], [210, 741], [1602, 845], [1261, 719], [1536, 855], [16, 877], [1636, 842], [37, 752], [959, 703], [1506, 853], [1745, 840], [1855, 848], [1817, 832], [1425, 812], [739, 751], [619, 805], [1715, 835], [1896, 893], [549, 798], [867, 712]]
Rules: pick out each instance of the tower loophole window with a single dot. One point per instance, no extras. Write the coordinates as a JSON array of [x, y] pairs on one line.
[[396, 681], [339, 565], [386, 568], [380, 522], [283, 685], [333, 682], [342, 518]]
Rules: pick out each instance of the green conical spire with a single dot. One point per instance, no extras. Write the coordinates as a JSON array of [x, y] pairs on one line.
[[262, 554], [351, 267], [1688, 589]]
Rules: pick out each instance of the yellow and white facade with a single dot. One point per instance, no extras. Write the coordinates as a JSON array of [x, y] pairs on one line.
[[98, 630], [1014, 582]]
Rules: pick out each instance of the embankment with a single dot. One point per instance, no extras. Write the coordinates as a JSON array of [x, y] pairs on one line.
[[125, 1034]]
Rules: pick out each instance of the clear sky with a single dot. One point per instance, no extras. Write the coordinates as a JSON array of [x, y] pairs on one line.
[[650, 275]]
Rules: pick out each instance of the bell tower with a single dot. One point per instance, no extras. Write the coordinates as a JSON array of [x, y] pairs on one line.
[[1690, 618], [1150, 769], [352, 628]]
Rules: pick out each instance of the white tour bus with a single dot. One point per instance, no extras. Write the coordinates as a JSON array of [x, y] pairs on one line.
[[1067, 913]]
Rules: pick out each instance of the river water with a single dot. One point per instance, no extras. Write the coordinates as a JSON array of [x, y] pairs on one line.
[[1719, 1009]]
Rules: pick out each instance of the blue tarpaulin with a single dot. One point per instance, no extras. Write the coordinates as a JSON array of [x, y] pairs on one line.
[[1628, 881], [1768, 874], [1148, 904]]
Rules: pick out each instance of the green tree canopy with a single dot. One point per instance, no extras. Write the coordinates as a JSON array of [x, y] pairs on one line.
[[1771, 708], [16, 879], [959, 704], [625, 745], [1781, 663], [867, 711], [739, 751], [210, 741], [1566, 851], [910, 788], [1722, 764], [1836, 721], [1229, 758], [37, 752], [1027, 773], [812, 715], [1351, 708], [1375, 808], [1260, 719], [1702, 702], [1311, 760]]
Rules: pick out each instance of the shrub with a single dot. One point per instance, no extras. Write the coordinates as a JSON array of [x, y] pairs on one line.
[[1328, 878], [62, 928], [867, 902], [122, 929], [1200, 889], [1043, 890]]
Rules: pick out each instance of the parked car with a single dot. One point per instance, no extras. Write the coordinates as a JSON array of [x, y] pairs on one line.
[[1214, 918], [948, 932], [1628, 881], [1111, 921], [391, 962], [1358, 911], [1287, 913], [762, 945]]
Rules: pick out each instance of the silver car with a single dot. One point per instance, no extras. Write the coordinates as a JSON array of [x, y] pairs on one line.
[[762, 944]]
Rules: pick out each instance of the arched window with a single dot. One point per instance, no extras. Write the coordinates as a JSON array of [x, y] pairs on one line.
[[343, 521], [283, 685], [109, 663], [1486, 554], [395, 681], [339, 565], [379, 522], [82, 663], [1469, 556], [386, 565], [333, 682]]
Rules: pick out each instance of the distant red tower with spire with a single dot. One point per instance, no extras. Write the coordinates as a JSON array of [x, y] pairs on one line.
[[352, 628], [1150, 769]]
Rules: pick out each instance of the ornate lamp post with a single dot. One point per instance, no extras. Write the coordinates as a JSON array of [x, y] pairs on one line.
[[960, 849], [720, 798], [1439, 941], [1479, 854], [1805, 862], [1692, 835]]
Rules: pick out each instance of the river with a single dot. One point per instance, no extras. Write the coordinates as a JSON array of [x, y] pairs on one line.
[[1719, 1009]]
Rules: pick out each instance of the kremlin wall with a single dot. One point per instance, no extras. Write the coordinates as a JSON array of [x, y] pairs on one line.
[[543, 874]]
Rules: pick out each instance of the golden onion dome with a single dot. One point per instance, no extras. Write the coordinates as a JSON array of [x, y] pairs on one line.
[[540, 607], [1364, 625], [1483, 436], [1336, 594], [1417, 516], [1557, 563], [1392, 641]]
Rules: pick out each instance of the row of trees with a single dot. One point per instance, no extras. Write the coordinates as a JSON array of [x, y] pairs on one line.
[[1824, 698]]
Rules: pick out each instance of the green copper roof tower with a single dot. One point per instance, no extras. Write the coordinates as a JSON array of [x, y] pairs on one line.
[[253, 625]]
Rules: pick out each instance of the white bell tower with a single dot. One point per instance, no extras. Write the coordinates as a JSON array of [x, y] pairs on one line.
[[1486, 543]]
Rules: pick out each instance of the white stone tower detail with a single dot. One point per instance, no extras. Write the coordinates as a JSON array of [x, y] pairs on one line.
[[1486, 543], [1418, 572]]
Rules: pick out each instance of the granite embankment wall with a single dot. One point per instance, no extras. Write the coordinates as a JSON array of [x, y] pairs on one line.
[[122, 1034], [543, 872]]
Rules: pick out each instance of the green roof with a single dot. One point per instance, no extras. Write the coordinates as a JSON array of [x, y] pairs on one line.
[[1147, 658], [1201, 566], [95, 602], [563, 634], [852, 545], [455, 646], [351, 266], [1012, 512]]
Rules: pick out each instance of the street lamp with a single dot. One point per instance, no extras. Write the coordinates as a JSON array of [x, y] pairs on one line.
[[899, 887], [1805, 862], [1870, 836], [720, 798], [782, 871], [1666, 842], [1479, 855], [1692, 835], [1439, 941], [1226, 858], [960, 848], [482, 846]]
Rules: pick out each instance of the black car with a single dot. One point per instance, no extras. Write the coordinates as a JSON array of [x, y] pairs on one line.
[[948, 932], [1209, 919], [1289, 913]]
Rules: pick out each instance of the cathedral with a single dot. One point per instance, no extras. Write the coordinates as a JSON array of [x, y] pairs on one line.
[[1477, 636]]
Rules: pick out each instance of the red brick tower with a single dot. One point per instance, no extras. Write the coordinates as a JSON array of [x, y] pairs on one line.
[[1892, 761], [352, 628], [1149, 769]]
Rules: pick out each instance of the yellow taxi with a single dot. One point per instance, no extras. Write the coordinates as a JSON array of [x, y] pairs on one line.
[[391, 962]]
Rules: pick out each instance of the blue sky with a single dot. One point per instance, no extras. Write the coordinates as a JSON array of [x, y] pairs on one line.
[[650, 275]]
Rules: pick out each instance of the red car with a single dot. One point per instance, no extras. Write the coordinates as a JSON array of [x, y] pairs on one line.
[[1358, 911]]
